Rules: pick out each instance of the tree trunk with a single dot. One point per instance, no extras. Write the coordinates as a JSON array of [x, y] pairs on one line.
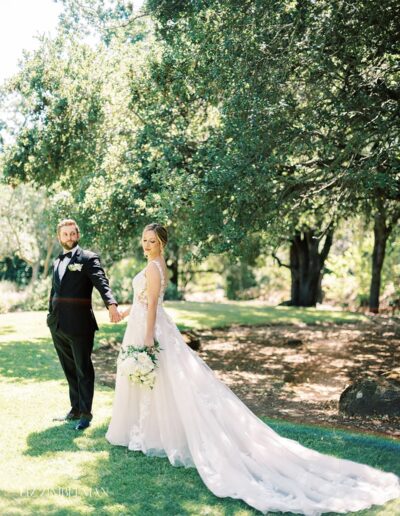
[[49, 252], [294, 273], [306, 267], [174, 268], [35, 271], [173, 264], [381, 234]]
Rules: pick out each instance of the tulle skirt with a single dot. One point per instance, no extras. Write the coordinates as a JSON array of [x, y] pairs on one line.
[[195, 420]]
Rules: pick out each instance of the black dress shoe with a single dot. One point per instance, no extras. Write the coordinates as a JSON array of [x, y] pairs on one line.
[[83, 423], [69, 417]]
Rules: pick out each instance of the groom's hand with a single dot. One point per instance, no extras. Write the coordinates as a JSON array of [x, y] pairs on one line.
[[115, 316]]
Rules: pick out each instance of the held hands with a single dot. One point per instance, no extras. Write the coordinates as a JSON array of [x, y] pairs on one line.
[[115, 315], [125, 313]]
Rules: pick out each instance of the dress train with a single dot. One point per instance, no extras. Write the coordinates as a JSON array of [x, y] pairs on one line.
[[195, 420]]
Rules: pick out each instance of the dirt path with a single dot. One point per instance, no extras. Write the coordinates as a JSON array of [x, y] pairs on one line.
[[295, 373]]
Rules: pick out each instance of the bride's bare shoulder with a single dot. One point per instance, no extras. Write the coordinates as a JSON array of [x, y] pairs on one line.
[[160, 264], [153, 268]]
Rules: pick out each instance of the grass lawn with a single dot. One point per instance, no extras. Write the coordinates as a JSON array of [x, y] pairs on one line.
[[213, 315], [48, 468]]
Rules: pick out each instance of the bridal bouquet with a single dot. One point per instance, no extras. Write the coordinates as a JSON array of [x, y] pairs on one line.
[[139, 364]]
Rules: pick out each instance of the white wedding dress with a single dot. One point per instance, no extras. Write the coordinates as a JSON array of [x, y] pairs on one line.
[[195, 420]]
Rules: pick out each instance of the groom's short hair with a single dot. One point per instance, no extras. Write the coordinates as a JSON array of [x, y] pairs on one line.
[[67, 222]]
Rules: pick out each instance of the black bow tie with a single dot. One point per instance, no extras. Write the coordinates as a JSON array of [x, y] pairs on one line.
[[64, 255]]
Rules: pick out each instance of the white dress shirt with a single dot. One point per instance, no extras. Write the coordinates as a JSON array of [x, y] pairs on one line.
[[62, 265]]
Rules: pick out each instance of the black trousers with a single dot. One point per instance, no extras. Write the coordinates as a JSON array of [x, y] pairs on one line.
[[74, 352]]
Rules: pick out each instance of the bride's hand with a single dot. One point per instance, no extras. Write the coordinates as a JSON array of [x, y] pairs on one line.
[[125, 313], [149, 342]]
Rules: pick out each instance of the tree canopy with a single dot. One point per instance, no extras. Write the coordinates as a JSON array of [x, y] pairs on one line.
[[241, 125]]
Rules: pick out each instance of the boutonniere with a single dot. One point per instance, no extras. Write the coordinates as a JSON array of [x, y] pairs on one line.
[[75, 267]]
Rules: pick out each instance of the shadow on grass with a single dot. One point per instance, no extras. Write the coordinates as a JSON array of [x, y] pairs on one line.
[[55, 439], [125, 482]]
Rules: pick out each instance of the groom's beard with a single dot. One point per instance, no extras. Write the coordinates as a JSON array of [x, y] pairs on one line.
[[68, 246]]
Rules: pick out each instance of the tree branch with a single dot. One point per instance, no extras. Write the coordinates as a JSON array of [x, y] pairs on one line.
[[327, 245], [280, 262]]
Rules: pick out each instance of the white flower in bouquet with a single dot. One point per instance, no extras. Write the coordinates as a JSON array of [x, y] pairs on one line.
[[145, 363], [149, 379], [139, 364], [129, 366]]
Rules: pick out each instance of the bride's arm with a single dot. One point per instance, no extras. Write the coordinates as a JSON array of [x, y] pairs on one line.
[[153, 291]]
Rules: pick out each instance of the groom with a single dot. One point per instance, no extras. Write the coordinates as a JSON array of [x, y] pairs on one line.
[[71, 320]]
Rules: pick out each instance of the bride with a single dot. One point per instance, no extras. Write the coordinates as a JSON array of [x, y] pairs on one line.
[[195, 420]]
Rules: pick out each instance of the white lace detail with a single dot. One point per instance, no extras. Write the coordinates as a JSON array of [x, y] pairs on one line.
[[137, 435]]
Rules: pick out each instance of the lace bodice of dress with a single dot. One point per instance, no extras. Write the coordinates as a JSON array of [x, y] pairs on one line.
[[139, 284]]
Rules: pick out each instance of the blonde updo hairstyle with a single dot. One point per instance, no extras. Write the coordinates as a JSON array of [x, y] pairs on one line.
[[161, 234]]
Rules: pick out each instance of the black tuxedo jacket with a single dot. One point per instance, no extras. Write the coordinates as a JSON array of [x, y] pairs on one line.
[[70, 304]]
